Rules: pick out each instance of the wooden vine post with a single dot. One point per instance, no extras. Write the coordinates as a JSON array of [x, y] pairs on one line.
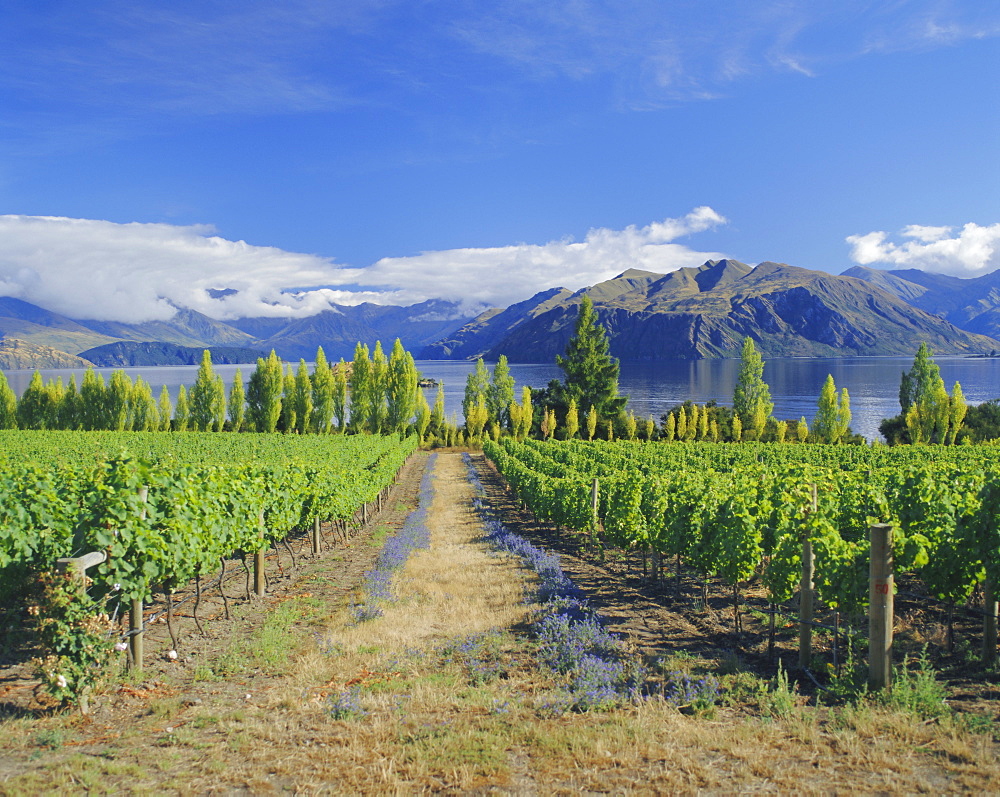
[[315, 537], [135, 627], [989, 622], [258, 561], [806, 595], [806, 604], [880, 607]]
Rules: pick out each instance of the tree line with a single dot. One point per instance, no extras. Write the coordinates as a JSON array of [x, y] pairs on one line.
[[375, 394]]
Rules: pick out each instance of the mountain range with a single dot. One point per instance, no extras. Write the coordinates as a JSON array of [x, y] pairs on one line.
[[690, 313]]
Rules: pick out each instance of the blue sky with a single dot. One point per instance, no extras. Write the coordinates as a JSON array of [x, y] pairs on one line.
[[395, 151]]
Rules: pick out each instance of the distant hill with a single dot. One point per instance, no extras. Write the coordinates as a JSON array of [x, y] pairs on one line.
[[129, 353], [972, 304], [690, 313], [19, 354], [693, 313]]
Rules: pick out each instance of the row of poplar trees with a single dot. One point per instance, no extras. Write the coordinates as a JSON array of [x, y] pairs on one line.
[[377, 394]]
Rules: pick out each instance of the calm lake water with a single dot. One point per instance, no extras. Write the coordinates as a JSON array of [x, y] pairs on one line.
[[653, 388]]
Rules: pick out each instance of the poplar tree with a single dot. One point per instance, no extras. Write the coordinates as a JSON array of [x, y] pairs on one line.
[[752, 398], [591, 423], [69, 408], [476, 418], [957, 409], [572, 420], [165, 409], [403, 387], [682, 424], [379, 410], [182, 412], [737, 429], [236, 405], [703, 424], [145, 416], [8, 404], [833, 415], [340, 395], [302, 399], [203, 395], [423, 416], [437, 424], [264, 394], [477, 386], [630, 426], [591, 373], [118, 400], [289, 413], [361, 389], [33, 406], [323, 389], [92, 401], [650, 428], [218, 404], [802, 430], [501, 393], [670, 429]]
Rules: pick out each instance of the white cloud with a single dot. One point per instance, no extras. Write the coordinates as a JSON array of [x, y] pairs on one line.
[[136, 272], [500, 276], [971, 252], [140, 272]]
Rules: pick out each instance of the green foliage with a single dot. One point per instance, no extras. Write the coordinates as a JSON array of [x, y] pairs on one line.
[[236, 405], [752, 397], [264, 393], [591, 373], [75, 642]]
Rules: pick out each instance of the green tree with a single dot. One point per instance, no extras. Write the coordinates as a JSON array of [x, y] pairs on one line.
[[218, 404], [591, 373], [165, 409], [438, 424], [33, 407], [919, 382], [144, 412], [670, 428], [957, 410], [182, 412], [302, 398], [236, 405], [501, 393], [403, 387], [752, 398], [202, 395], [8, 404], [289, 412], [477, 387], [423, 416], [118, 401], [591, 423], [379, 411], [340, 395], [264, 394], [93, 401], [323, 389], [833, 415], [362, 389], [572, 420], [69, 408]]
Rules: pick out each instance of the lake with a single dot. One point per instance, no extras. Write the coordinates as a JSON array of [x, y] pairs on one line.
[[653, 388]]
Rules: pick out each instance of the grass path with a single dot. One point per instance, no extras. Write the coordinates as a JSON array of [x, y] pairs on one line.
[[443, 693]]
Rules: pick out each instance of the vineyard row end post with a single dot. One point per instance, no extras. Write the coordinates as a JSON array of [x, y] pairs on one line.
[[880, 607]]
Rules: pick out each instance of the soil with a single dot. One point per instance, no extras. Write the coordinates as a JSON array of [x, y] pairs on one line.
[[332, 579], [666, 615], [134, 719]]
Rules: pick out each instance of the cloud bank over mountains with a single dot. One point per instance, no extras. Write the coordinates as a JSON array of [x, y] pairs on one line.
[[970, 252], [137, 272]]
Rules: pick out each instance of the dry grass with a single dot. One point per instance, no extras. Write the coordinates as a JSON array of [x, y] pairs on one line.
[[432, 721]]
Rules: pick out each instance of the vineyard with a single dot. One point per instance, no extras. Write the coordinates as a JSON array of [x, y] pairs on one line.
[[747, 512], [166, 510]]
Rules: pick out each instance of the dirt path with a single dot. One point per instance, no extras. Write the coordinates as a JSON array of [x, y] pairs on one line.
[[444, 693]]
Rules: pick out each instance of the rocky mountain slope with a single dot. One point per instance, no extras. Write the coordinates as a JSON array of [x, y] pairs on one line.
[[694, 313]]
